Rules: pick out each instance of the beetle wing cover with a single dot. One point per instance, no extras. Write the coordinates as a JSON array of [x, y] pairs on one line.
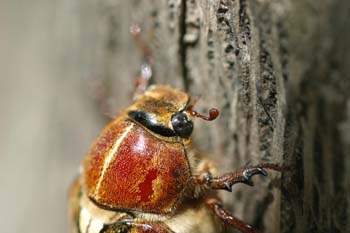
[[129, 168]]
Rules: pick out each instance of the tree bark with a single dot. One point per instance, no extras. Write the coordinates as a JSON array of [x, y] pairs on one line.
[[279, 73], [278, 70]]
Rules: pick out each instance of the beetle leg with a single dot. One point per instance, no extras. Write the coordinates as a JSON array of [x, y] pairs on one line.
[[243, 175], [216, 206]]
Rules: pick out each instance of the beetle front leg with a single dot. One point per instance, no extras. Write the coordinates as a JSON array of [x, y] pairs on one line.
[[243, 175], [216, 206]]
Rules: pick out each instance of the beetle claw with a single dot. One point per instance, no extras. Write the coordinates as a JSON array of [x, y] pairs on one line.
[[228, 186], [249, 173], [255, 171], [262, 171]]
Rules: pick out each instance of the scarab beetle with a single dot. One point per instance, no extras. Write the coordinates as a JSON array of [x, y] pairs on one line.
[[141, 174]]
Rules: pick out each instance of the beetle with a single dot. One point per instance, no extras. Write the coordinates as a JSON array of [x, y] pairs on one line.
[[142, 175]]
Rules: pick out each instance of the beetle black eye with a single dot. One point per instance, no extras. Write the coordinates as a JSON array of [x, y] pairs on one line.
[[145, 120], [182, 125]]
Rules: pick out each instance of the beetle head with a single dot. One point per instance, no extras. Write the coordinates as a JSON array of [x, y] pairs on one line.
[[167, 112]]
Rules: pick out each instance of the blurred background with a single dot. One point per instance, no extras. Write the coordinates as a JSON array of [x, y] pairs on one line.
[[51, 86]]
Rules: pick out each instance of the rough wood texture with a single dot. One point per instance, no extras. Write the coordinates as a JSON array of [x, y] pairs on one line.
[[278, 70], [278, 74]]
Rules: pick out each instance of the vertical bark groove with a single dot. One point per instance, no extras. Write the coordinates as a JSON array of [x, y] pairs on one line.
[[183, 45]]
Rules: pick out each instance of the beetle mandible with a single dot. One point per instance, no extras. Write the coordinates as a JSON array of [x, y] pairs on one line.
[[141, 174]]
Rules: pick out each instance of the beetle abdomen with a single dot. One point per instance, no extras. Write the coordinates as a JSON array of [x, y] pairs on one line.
[[129, 168]]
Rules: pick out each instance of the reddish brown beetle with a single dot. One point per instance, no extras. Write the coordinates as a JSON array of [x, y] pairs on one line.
[[141, 175]]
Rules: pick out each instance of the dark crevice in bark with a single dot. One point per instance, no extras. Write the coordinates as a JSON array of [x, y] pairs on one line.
[[183, 45], [270, 119], [283, 48], [245, 72], [227, 28], [244, 20], [291, 200]]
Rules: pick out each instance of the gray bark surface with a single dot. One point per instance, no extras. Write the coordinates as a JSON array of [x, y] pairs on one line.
[[278, 71]]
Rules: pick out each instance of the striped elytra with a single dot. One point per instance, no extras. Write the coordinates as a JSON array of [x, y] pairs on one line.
[[141, 168]]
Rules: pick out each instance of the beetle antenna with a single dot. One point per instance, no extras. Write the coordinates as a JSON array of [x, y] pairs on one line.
[[213, 114]]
